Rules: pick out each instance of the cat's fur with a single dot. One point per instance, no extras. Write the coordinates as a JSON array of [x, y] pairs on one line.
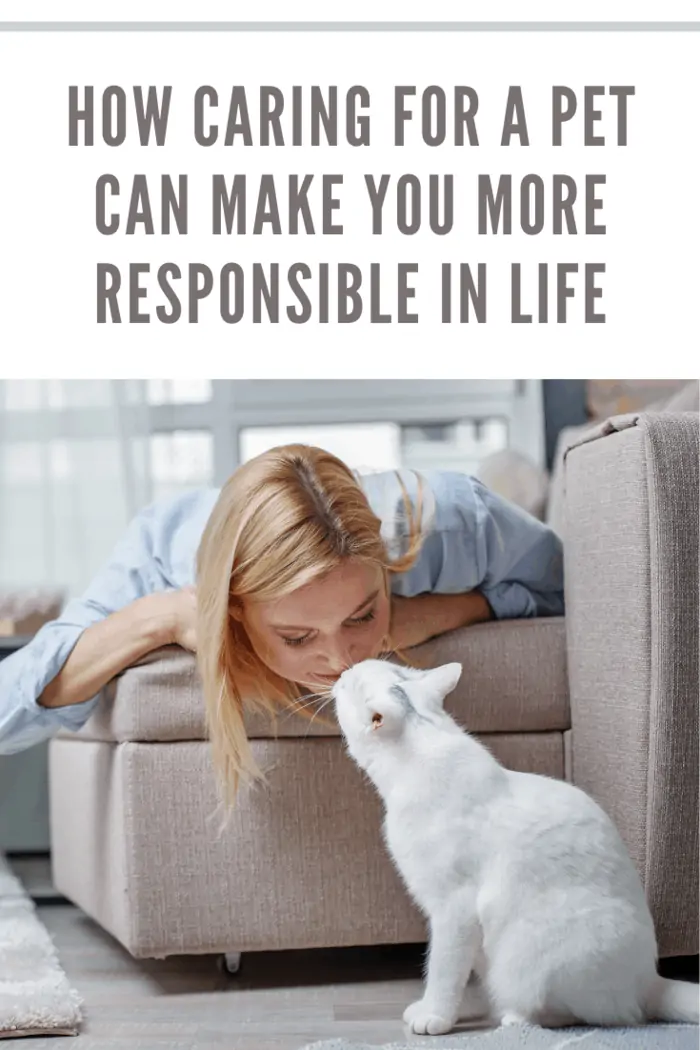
[[524, 879]]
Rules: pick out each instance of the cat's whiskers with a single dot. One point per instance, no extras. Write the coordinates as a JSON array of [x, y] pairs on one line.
[[297, 706], [311, 698], [325, 704]]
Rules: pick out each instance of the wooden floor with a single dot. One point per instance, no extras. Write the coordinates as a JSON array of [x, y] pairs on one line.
[[278, 1000]]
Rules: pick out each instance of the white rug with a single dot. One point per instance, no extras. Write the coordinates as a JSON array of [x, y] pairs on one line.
[[35, 997], [650, 1037]]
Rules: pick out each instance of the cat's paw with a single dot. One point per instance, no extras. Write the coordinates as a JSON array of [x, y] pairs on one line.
[[511, 1018], [422, 1019]]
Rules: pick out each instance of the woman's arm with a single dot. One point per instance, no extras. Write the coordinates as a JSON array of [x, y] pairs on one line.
[[108, 647], [479, 541], [481, 548], [415, 620], [130, 608], [521, 558]]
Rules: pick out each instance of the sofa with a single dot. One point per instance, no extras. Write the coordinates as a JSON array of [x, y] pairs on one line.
[[606, 697]]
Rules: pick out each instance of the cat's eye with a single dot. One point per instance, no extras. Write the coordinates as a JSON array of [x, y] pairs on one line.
[[377, 720]]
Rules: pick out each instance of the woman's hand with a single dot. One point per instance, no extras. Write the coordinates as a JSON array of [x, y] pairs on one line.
[[415, 620], [179, 609], [120, 640], [405, 628]]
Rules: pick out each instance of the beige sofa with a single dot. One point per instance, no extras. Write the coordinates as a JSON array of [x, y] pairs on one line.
[[607, 697]]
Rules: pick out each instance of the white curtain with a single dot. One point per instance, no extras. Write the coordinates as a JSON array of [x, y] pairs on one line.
[[78, 458], [74, 468]]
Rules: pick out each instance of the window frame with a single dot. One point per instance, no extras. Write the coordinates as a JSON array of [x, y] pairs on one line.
[[236, 404]]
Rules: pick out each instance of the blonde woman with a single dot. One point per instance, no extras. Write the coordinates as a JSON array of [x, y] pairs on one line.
[[296, 569]]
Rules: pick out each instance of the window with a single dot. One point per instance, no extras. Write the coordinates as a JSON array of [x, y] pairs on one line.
[[179, 461], [461, 445], [78, 458], [362, 446], [178, 391], [385, 446]]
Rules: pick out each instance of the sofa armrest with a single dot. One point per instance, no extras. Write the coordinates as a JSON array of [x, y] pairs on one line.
[[631, 565]]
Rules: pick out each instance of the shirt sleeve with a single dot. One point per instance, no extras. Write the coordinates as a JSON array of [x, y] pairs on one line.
[[520, 558], [481, 541], [131, 572]]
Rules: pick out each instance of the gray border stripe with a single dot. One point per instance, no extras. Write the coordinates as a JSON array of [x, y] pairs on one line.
[[349, 27]]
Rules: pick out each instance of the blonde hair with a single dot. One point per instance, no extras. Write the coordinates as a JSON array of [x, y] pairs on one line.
[[283, 519]]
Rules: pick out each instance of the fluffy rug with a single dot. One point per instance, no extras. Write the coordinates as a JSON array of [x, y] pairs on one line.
[[653, 1037], [35, 997]]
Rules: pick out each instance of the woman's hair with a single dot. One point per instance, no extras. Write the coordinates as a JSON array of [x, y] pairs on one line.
[[283, 519]]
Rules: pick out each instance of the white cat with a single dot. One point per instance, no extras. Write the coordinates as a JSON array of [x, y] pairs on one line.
[[524, 879]]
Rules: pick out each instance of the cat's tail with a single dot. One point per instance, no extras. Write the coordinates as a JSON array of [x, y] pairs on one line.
[[673, 1001]]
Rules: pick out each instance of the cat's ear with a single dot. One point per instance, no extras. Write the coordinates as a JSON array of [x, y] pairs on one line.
[[442, 680], [387, 721]]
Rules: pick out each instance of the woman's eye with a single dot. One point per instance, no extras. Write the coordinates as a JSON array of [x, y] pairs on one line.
[[355, 622], [367, 618], [296, 641]]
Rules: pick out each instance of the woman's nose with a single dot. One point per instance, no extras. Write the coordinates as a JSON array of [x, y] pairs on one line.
[[340, 656]]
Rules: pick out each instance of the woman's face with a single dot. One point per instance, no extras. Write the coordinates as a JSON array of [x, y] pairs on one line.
[[313, 634]]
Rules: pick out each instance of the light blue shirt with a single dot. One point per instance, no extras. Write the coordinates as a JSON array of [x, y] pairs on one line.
[[473, 539]]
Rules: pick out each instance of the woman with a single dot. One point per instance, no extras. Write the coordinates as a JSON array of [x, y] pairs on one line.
[[302, 568]]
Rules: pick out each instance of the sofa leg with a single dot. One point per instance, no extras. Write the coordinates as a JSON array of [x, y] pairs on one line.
[[230, 962]]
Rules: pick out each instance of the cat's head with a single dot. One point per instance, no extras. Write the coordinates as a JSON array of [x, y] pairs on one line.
[[376, 701]]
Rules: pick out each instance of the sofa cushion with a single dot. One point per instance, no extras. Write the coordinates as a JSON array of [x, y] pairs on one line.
[[514, 681], [140, 845]]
